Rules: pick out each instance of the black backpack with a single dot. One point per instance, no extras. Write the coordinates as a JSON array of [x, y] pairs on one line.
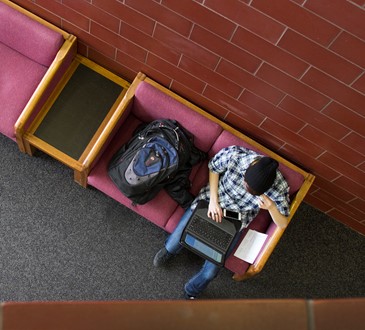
[[151, 159]]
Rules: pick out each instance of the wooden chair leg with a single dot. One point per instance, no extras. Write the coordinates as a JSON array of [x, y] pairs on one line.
[[81, 178], [241, 277], [20, 143], [29, 149], [251, 272]]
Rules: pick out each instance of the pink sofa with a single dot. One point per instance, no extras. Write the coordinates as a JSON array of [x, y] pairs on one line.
[[145, 101], [34, 55]]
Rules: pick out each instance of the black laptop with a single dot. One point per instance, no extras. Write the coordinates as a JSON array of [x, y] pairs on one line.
[[208, 238]]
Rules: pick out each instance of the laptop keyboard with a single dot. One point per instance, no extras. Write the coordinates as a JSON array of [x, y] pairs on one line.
[[210, 232]]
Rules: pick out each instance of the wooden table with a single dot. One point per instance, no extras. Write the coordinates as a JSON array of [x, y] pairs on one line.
[[76, 114]]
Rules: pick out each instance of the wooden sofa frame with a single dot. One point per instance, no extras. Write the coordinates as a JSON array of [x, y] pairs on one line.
[[269, 246]]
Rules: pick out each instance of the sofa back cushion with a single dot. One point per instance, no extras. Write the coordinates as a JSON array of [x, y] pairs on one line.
[[28, 37], [150, 103]]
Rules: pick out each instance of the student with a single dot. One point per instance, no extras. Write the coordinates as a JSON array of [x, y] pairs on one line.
[[240, 180]]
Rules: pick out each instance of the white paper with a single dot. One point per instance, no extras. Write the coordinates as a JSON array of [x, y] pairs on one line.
[[250, 246]]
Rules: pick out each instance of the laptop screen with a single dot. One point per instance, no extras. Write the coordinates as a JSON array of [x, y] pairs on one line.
[[203, 248]]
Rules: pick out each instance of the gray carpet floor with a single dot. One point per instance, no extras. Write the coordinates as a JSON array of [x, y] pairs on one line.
[[59, 241]]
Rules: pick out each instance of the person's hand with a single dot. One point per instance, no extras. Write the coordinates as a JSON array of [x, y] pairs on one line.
[[215, 212], [265, 202]]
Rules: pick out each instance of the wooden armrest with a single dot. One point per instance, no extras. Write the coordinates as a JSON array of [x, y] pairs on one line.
[[107, 131]]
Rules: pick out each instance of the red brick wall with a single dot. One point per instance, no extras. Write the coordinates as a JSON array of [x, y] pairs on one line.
[[288, 73]]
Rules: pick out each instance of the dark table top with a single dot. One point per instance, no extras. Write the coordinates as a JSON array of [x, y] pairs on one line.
[[78, 111]]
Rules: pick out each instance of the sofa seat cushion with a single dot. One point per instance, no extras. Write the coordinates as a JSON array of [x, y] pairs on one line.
[[19, 77], [157, 210], [29, 37], [150, 103], [199, 177], [261, 223]]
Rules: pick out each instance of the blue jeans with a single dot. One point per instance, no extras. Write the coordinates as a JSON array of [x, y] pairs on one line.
[[198, 283]]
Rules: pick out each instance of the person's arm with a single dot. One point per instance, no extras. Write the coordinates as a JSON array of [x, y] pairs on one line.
[[214, 209], [218, 164], [266, 203]]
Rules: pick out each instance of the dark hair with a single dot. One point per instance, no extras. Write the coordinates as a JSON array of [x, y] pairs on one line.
[[261, 174]]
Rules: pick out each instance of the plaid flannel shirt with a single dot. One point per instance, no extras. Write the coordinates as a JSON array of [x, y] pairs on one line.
[[231, 163]]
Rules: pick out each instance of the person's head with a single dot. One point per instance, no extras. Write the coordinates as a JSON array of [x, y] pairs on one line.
[[260, 175]]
